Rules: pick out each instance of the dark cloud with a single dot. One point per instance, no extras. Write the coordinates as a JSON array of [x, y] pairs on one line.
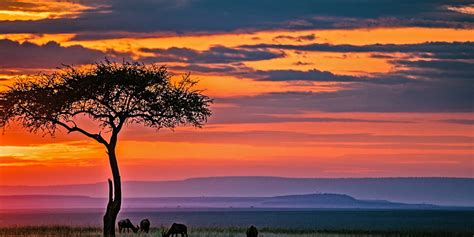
[[458, 50], [311, 75], [83, 36], [50, 55], [187, 16], [315, 75], [210, 69], [295, 38], [458, 121], [300, 63], [340, 22], [446, 70], [215, 54]]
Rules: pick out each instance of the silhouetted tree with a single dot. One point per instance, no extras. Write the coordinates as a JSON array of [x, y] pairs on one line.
[[110, 94]]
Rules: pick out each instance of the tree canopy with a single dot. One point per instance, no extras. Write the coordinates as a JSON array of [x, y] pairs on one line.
[[109, 93]]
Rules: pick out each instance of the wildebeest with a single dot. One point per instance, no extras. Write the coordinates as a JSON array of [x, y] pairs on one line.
[[145, 225], [126, 224], [176, 229], [252, 231]]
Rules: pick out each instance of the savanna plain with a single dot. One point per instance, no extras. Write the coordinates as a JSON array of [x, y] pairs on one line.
[[233, 223]]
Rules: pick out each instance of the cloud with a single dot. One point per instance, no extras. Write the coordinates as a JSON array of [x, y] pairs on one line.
[[458, 121], [87, 35], [16, 161], [295, 38], [441, 70], [438, 49], [215, 54], [50, 55], [212, 69], [315, 75], [224, 16], [466, 9], [311, 75], [34, 10]]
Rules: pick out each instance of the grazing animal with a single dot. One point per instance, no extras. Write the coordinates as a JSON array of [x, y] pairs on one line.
[[126, 224], [176, 229], [145, 225], [252, 231]]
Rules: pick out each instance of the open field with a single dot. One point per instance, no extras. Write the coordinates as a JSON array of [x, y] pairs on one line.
[[233, 222], [300, 219], [43, 231]]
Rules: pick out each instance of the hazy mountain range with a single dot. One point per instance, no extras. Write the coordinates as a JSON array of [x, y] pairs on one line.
[[436, 191], [325, 200]]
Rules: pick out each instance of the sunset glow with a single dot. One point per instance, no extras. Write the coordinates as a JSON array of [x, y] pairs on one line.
[[24, 10], [308, 96]]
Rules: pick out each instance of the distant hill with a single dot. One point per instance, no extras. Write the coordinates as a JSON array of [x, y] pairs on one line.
[[290, 201], [438, 191], [329, 200]]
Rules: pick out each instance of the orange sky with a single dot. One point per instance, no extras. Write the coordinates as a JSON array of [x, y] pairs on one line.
[[328, 143]]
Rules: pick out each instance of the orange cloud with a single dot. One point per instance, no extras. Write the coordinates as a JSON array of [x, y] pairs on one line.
[[24, 10], [467, 9]]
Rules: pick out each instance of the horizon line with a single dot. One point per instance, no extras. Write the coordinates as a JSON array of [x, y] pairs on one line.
[[251, 176]]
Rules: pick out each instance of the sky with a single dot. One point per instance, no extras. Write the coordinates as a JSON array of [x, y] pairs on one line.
[[328, 88]]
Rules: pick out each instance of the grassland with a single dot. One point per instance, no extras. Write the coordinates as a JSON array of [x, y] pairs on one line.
[[43, 231], [233, 223]]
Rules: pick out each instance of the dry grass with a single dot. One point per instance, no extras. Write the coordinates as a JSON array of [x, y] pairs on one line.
[[44, 231]]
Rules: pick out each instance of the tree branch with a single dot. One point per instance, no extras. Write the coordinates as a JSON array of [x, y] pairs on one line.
[[75, 128]]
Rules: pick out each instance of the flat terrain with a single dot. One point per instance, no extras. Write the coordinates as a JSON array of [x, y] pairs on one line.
[[232, 222], [35, 231], [300, 219]]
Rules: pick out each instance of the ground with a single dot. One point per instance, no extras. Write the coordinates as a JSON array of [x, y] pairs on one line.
[[43, 231]]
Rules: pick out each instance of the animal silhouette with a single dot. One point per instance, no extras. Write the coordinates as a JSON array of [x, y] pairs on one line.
[[176, 229], [126, 224], [252, 231], [145, 225]]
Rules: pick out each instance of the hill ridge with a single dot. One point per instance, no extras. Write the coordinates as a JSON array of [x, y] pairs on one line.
[[436, 190]]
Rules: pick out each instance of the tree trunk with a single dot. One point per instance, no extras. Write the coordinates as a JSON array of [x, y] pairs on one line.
[[115, 195]]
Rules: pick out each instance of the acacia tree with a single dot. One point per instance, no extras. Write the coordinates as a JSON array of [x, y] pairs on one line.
[[113, 96]]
